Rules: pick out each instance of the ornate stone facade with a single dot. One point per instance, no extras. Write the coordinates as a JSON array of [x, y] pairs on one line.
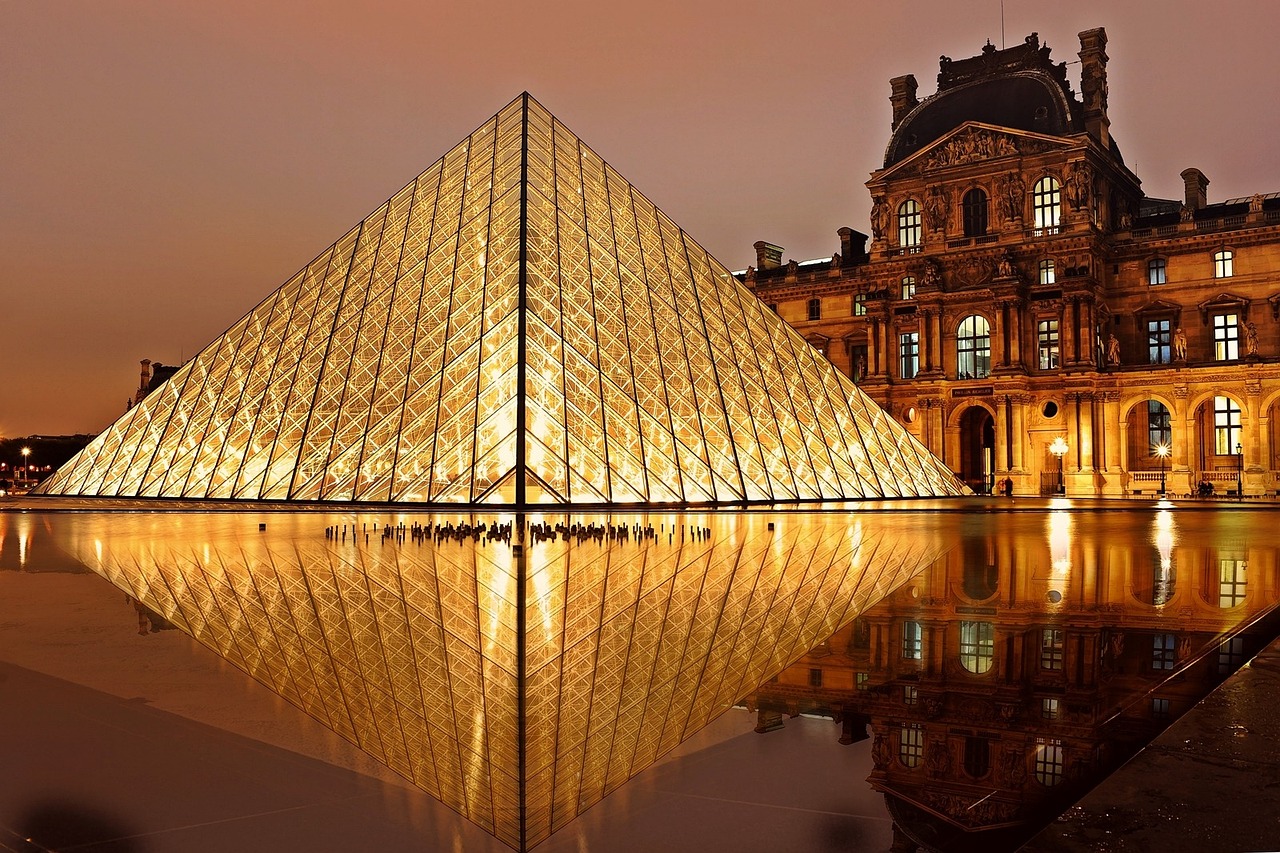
[[1019, 287]]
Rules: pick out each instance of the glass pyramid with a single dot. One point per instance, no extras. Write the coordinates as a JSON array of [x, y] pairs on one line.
[[517, 326], [519, 686]]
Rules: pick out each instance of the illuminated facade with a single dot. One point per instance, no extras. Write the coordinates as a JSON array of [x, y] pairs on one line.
[[517, 684], [1020, 287], [517, 326]]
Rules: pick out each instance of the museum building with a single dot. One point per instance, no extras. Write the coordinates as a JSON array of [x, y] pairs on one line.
[[1034, 319]]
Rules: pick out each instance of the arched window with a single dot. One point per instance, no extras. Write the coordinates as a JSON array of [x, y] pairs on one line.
[[977, 646], [973, 208], [1048, 273], [910, 229], [973, 348], [1046, 202], [908, 287], [1159, 426]]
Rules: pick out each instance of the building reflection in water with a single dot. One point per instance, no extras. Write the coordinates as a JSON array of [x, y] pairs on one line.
[[519, 683], [1020, 669]]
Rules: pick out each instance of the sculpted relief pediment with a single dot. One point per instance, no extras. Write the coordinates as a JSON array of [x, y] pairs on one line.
[[974, 143]]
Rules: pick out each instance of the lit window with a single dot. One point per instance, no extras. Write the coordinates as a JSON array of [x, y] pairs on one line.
[[1047, 344], [1046, 202], [1157, 271], [815, 309], [974, 212], [1159, 425], [977, 646], [1163, 651], [908, 287], [910, 694], [912, 643], [1226, 426], [1231, 582], [1230, 655], [1159, 708], [862, 680], [859, 304], [1223, 264], [973, 348], [1049, 709], [1051, 649], [909, 349], [1159, 341], [815, 678], [911, 744], [1226, 337], [1047, 275], [910, 231], [1048, 761]]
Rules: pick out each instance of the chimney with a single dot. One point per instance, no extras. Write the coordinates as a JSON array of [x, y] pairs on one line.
[[1093, 84], [853, 245], [903, 98], [1196, 188], [768, 256]]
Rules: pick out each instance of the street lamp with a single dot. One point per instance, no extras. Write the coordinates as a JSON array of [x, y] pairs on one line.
[[1059, 449], [1162, 450], [26, 462], [1239, 470]]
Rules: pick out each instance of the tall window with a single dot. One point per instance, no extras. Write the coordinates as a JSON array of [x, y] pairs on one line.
[[973, 348], [859, 362], [1157, 271], [908, 287], [1226, 426], [1159, 425], [1047, 275], [1159, 341], [815, 309], [912, 643], [1223, 264], [815, 678], [1163, 651], [977, 757], [910, 694], [1048, 761], [1049, 708], [910, 231], [1046, 202], [1231, 582], [1226, 337], [1047, 344], [1051, 649], [909, 349], [1159, 708], [977, 646], [974, 212], [859, 304], [1230, 656], [911, 744]]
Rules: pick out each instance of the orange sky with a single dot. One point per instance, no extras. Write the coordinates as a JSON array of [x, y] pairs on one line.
[[166, 165]]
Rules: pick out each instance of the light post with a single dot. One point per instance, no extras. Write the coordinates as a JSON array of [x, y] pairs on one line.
[[1059, 449], [1162, 450], [26, 463], [1239, 470]]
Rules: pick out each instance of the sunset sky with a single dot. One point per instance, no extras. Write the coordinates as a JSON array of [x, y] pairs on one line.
[[166, 165]]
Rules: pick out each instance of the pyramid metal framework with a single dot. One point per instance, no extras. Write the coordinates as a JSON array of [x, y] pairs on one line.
[[517, 687], [517, 326]]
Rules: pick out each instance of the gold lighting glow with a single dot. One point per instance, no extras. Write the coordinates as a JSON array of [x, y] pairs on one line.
[[518, 325]]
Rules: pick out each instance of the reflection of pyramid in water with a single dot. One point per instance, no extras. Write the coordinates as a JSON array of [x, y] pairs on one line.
[[415, 651], [518, 325]]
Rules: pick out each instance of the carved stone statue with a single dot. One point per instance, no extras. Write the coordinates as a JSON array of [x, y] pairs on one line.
[[881, 755], [1255, 203], [1250, 339], [932, 275], [1186, 214], [835, 261], [751, 275], [1012, 193], [1113, 349], [937, 759], [1079, 185], [1004, 266], [879, 217], [1179, 344], [935, 208]]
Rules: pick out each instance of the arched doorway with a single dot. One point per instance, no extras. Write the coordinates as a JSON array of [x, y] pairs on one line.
[[978, 450]]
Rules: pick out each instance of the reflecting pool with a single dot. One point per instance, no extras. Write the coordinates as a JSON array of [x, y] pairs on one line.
[[992, 666]]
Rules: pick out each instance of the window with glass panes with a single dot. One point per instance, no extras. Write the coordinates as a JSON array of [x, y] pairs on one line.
[[1047, 344], [1046, 204], [862, 680], [859, 304], [1047, 274], [1159, 425], [1157, 271], [1049, 708], [977, 646], [815, 677], [911, 744], [973, 208], [1048, 768], [1159, 341], [1163, 651], [908, 287], [973, 348], [1159, 708], [1230, 655], [909, 352], [815, 309], [1226, 337], [1051, 648], [910, 224], [910, 694], [1226, 426], [912, 642], [1223, 264], [1231, 582]]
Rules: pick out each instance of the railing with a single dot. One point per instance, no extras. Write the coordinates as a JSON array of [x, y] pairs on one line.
[[1218, 476], [1146, 476]]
